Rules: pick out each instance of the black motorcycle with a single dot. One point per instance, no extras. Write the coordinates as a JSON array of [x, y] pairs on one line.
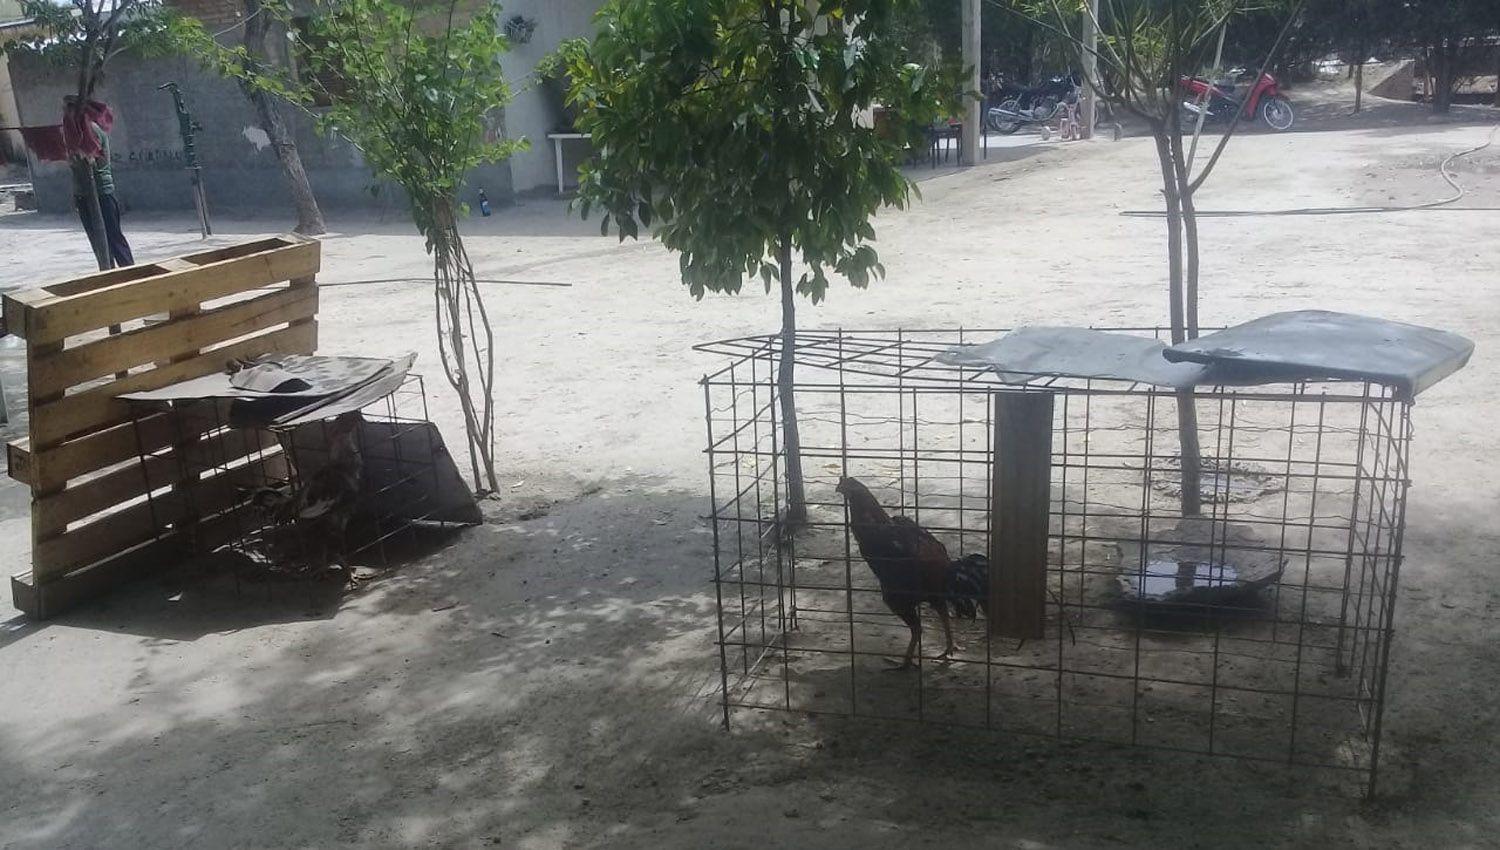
[[1037, 105]]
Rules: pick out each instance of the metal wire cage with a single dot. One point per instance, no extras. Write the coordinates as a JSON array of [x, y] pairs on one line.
[[222, 459], [1311, 477]]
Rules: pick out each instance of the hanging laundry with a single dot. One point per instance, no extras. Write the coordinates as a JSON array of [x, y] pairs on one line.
[[80, 140], [46, 143]]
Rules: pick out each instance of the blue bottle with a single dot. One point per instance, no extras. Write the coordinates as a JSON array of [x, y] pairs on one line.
[[484, 204]]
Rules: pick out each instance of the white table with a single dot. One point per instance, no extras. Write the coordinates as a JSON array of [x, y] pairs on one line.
[[557, 149]]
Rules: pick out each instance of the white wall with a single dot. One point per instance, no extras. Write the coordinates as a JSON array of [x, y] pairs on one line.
[[529, 114]]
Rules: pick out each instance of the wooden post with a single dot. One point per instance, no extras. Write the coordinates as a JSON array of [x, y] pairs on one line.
[[973, 111], [1089, 114], [1020, 508]]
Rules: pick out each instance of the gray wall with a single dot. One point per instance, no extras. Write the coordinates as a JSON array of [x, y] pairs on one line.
[[240, 170], [531, 114]]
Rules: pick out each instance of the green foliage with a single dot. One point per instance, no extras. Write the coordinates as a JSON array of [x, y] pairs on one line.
[[61, 32], [1007, 44], [733, 126], [1146, 45], [554, 64], [419, 95], [416, 104], [420, 106]]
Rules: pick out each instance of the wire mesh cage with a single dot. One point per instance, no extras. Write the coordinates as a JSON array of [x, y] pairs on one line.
[[242, 483], [1260, 629]]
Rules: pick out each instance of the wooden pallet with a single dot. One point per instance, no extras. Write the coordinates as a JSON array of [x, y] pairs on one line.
[[89, 467]]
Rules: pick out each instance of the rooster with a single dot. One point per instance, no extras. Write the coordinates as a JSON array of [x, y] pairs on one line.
[[320, 511], [913, 568]]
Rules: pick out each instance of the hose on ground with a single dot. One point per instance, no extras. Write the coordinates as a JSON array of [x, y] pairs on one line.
[[1443, 171]]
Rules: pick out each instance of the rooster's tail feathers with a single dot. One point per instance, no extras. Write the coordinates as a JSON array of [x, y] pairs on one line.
[[969, 586]]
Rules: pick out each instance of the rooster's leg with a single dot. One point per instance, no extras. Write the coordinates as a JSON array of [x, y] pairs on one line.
[[914, 623], [950, 646], [911, 650]]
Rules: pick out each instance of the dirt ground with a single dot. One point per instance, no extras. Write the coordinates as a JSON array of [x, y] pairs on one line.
[[549, 681]]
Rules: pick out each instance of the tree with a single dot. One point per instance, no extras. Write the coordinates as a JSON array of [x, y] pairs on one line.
[[84, 35], [733, 127], [1020, 53], [1145, 48], [251, 60], [1443, 28], [1351, 28], [415, 93]]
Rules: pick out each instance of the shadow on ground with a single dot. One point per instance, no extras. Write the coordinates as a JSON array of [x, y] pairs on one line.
[[549, 683]]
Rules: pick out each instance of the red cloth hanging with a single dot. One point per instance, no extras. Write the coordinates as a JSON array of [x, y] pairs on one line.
[[77, 136], [46, 143]]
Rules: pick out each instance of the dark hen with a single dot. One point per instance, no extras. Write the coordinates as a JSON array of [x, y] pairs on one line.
[[318, 512], [913, 567]]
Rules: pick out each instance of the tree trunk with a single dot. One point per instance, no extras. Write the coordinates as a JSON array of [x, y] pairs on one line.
[[791, 441], [1189, 233], [83, 172], [1359, 87], [309, 217], [1187, 413], [1170, 189], [466, 342]]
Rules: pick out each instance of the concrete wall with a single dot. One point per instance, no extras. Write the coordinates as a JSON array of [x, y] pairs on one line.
[[240, 170], [11, 147], [531, 114]]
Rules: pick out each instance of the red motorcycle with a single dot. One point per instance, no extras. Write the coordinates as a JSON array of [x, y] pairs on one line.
[[1218, 102]]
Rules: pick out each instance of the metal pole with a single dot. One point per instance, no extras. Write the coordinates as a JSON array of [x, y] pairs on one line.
[[1090, 68], [200, 203], [972, 117], [188, 128]]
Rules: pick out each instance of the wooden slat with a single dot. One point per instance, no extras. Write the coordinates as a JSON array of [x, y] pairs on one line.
[[170, 340], [42, 600], [53, 513], [243, 249], [99, 280], [138, 523], [18, 461], [99, 407], [63, 316], [1020, 506], [48, 470], [77, 285]]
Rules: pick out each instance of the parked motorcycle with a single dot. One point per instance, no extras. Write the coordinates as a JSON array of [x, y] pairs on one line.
[[1037, 105], [1219, 101]]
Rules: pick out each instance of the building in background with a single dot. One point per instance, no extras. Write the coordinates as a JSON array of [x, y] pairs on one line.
[[12, 150], [240, 171], [535, 112]]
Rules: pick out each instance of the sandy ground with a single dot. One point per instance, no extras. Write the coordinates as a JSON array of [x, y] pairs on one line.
[[548, 682]]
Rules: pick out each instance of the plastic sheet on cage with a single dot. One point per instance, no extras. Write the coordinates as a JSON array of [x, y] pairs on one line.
[[367, 393], [1029, 354], [334, 385], [1307, 345], [325, 376]]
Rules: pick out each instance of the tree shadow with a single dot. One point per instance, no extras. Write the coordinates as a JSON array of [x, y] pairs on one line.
[[551, 682]]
